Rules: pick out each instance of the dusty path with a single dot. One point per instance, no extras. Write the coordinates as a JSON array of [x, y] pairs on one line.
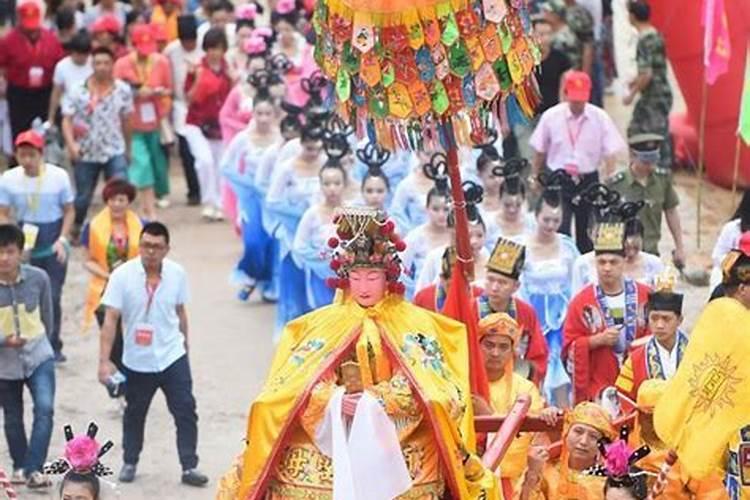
[[230, 352]]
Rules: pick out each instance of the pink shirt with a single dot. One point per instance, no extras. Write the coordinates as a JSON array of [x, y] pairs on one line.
[[582, 141]]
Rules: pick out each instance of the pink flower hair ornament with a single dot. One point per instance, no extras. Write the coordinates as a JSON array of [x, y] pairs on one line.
[[285, 6], [255, 46], [82, 454], [246, 12], [619, 460]]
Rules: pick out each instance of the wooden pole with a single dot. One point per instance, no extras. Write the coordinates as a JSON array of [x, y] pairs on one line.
[[463, 245], [701, 160], [661, 480], [736, 173]]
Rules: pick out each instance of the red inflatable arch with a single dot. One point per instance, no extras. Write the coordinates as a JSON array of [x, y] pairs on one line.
[[679, 21]]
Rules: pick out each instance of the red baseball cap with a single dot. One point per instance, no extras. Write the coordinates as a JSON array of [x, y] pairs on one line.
[[30, 138], [108, 23], [577, 86], [29, 15], [160, 32], [143, 39]]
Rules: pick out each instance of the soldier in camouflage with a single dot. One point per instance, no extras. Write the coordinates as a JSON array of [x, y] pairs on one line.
[[573, 29], [651, 113], [643, 181]]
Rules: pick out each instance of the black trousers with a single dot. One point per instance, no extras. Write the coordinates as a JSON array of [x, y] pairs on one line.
[[581, 213], [26, 104], [176, 383], [188, 167]]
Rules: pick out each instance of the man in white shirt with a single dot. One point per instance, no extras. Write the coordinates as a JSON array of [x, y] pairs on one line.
[[71, 71], [182, 54], [149, 294]]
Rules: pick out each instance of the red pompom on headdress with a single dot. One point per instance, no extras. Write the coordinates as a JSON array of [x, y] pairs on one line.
[[82, 454], [366, 238]]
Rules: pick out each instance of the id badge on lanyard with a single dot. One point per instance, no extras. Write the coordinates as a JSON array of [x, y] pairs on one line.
[[572, 164], [144, 331]]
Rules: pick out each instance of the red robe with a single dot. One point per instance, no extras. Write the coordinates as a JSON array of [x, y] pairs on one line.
[[592, 370]]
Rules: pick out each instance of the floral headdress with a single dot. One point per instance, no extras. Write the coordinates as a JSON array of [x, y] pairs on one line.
[[619, 460], [366, 238], [82, 454]]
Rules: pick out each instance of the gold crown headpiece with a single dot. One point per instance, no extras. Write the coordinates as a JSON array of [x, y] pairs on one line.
[[610, 238], [366, 238], [507, 258]]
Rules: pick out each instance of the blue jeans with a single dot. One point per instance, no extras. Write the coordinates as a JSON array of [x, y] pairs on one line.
[[87, 175], [176, 383], [29, 455], [57, 272]]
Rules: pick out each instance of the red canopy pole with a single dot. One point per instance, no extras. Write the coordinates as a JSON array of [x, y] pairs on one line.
[[463, 246]]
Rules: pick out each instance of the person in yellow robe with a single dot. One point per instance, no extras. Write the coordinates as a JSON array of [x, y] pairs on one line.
[[679, 485], [566, 478], [367, 398], [499, 335]]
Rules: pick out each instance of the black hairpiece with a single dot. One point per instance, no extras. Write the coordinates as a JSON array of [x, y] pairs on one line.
[[511, 172], [437, 170], [336, 147], [602, 200], [260, 80], [488, 145], [554, 184], [629, 210], [473, 195], [292, 122], [337, 126], [373, 155]]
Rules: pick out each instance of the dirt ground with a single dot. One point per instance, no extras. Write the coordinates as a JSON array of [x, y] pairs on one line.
[[231, 347]]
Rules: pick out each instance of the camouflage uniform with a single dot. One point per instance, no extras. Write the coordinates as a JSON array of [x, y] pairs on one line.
[[578, 31], [651, 113]]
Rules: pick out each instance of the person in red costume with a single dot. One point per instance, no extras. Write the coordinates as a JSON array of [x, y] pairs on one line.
[[432, 297], [502, 281], [603, 319]]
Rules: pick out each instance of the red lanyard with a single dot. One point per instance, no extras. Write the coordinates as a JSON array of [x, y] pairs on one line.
[[574, 139], [150, 292]]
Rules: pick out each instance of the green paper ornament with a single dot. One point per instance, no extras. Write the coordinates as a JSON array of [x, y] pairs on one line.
[[343, 85], [379, 105], [506, 37], [450, 30], [388, 73], [350, 59], [503, 73], [459, 59], [439, 96]]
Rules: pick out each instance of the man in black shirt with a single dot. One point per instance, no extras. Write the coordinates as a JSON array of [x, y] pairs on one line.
[[554, 65]]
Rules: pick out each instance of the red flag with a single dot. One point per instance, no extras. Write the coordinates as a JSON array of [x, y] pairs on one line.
[[716, 44], [460, 305]]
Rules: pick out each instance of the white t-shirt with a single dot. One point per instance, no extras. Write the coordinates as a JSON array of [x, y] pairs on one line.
[[68, 74]]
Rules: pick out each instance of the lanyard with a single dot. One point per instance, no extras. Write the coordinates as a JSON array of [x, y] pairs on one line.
[[150, 293], [574, 138], [95, 96], [142, 72], [32, 198]]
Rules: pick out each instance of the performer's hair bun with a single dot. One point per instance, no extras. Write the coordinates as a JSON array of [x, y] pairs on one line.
[[437, 170]]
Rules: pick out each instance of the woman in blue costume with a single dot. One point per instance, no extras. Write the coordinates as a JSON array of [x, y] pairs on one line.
[[546, 285], [239, 166], [316, 228], [395, 167], [433, 233], [512, 221], [408, 208], [295, 186]]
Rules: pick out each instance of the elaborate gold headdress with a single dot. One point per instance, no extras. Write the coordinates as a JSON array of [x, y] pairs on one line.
[[664, 298], [366, 238]]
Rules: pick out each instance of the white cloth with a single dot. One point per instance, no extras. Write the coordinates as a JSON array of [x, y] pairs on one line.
[[6, 141], [207, 154], [727, 240], [180, 60], [668, 359], [126, 292], [68, 74], [369, 464]]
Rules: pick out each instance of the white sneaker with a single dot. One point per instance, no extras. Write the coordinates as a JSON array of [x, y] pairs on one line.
[[163, 203], [207, 212], [18, 477], [217, 215], [37, 480]]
